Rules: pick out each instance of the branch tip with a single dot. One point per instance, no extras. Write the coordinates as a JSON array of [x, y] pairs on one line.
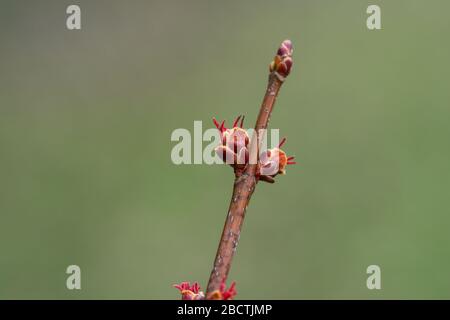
[[282, 63]]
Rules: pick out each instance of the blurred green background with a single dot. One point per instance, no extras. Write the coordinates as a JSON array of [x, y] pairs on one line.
[[86, 176]]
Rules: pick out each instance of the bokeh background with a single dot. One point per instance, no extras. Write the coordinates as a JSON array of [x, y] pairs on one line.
[[86, 176]]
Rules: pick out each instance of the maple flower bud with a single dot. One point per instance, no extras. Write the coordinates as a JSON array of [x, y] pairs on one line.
[[189, 292], [282, 62], [233, 150], [223, 293], [274, 161]]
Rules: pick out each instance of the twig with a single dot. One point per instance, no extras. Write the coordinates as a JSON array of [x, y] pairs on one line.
[[246, 178]]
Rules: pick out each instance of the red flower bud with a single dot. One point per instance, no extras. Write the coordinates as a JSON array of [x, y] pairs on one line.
[[233, 150], [274, 161], [223, 293], [189, 292], [282, 63]]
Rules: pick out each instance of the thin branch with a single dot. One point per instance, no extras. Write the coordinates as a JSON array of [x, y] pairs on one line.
[[246, 178]]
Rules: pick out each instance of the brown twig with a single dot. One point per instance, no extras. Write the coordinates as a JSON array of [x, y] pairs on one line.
[[247, 178]]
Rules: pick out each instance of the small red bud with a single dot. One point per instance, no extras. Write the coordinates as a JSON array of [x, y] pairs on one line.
[[189, 292], [223, 293], [282, 62], [233, 149]]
